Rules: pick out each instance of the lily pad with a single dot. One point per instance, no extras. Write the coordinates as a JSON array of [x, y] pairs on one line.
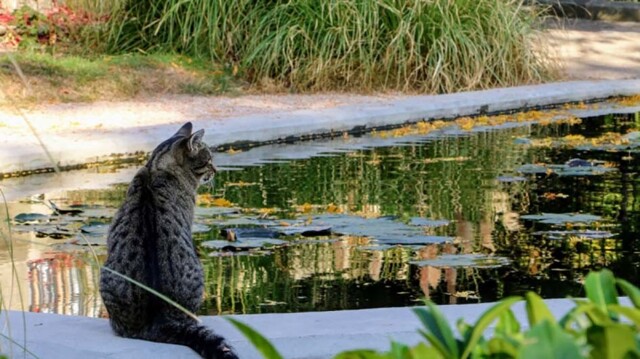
[[247, 243], [510, 179], [305, 231], [522, 141], [199, 228], [54, 232], [95, 229], [31, 218], [532, 169], [242, 221], [242, 233], [414, 239], [562, 218], [579, 170], [426, 222], [67, 211], [464, 260], [90, 241], [589, 234], [215, 211], [386, 230]]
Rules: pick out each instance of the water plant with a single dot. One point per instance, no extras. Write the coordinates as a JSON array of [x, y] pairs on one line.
[[599, 326]]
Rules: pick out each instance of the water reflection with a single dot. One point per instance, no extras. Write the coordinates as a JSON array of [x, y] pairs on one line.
[[469, 179], [64, 284]]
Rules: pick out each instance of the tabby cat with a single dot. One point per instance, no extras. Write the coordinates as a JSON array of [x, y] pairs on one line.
[[150, 241]]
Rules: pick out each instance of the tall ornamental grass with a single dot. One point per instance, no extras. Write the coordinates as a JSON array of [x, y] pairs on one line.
[[424, 45]]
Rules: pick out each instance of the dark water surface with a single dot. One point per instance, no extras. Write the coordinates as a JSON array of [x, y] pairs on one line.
[[458, 216]]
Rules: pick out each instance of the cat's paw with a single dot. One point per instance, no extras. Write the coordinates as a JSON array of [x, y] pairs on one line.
[[227, 352]]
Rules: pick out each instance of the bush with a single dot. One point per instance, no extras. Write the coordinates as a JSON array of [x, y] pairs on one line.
[[598, 327], [433, 46]]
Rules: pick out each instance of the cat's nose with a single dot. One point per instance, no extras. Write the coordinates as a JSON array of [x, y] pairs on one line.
[[213, 168]]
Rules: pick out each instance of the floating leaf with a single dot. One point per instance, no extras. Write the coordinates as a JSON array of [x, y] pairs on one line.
[[199, 228], [246, 243], [214, 211], [241, 233], [464, 260], [588, 234], [31, 218], [533, 169], [509, 179], [305, 231], [426, 222], [90, 241], [95, 229], [562, 218], [385, 230]]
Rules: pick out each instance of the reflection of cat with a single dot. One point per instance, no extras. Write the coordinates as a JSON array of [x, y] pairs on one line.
[[150, 242]]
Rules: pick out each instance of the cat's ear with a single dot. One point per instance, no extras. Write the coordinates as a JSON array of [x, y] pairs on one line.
[[194, 140], [185, 130]]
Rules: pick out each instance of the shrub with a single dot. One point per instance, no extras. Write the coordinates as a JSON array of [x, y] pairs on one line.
[[597, 327], [433, 46]]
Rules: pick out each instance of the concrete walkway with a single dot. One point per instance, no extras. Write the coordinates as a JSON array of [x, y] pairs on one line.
[[314, 335], [19, 152]]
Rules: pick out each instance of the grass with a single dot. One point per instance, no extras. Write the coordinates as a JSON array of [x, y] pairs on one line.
[[306, 45], [69, 78]]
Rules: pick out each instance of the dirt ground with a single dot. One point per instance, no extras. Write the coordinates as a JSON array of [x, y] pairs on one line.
[[588, 50]]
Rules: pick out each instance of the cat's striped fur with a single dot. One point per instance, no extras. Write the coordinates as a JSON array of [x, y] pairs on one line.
[[150, 241]]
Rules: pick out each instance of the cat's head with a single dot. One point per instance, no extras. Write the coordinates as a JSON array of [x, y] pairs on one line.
[[184, 152]]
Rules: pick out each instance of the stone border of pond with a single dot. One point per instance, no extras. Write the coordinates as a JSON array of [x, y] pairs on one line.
[[296, 335], [594, 9], [21, 155]]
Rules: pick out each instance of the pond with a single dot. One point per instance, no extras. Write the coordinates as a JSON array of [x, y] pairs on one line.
[[463, 213]]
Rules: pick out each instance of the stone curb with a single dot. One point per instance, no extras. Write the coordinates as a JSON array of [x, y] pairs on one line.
[[68, 150], [310, 335], [594, 9]]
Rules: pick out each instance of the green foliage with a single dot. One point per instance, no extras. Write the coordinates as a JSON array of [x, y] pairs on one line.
[[593, 329], [436, 46], [260, 342]]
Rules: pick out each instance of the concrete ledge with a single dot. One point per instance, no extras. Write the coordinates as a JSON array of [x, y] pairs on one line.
[[20, 153], [594, 9], [311, 335]]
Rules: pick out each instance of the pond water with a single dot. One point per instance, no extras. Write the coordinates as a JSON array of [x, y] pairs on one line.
[[459, 214]]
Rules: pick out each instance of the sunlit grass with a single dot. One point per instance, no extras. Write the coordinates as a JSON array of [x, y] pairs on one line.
[[71, 78], [433, 46]]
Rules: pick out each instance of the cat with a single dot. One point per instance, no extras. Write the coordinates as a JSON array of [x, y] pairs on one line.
[[149, 241]]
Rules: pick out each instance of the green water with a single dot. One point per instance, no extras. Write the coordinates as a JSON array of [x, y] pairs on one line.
[[470, 179]]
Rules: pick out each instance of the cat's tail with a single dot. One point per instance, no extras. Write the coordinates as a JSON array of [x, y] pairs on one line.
[[189, 333]]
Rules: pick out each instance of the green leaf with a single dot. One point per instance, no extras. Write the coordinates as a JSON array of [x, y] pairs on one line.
[[483, 322], [632, 314], [399, 350], [537, 310], [631, 291], [261, 343], [363, 354], [547, 340], [502, 348], [507, 324], [464, 329], [601, 289], [593, 312], [421, 351], [612, 342], [435, 323]]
